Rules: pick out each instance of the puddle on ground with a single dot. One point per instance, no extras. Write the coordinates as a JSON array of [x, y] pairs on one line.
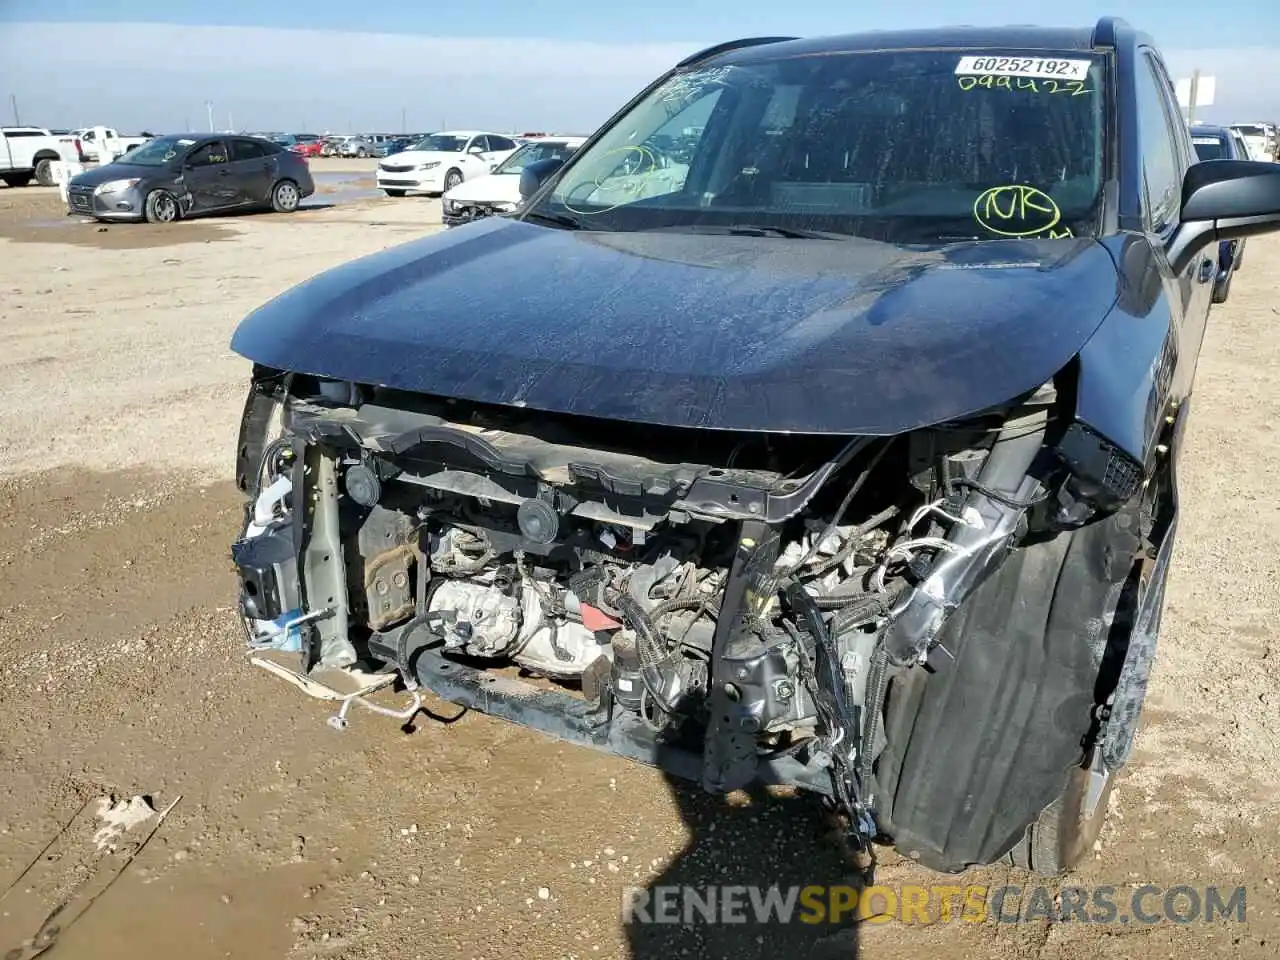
[[111, 236], [338, 188], [44, 220]]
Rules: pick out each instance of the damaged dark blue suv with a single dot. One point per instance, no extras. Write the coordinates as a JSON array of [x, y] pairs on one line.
[[817, 422]]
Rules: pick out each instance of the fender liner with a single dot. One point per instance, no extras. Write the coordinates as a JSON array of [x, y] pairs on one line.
[[978, 747]]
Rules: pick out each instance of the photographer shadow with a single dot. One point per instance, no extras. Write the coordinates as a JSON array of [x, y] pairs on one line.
[[755, 839]]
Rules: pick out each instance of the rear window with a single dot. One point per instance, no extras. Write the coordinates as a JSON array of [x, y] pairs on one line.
[[1210, 148]]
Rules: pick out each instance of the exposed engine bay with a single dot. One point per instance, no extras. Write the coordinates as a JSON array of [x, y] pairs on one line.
[[729, 606]]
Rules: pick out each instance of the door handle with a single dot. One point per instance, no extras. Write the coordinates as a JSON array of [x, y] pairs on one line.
[[1206, 270]]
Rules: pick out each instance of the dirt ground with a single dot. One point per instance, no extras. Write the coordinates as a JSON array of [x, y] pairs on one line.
[[122, 671]]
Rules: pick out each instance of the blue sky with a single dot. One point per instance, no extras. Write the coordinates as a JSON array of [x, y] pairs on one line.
[[330, 64]]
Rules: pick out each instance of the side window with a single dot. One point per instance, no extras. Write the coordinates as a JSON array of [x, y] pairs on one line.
[[501, 143], [1161, 170], [481, 141], [208, 154], [247, 150]]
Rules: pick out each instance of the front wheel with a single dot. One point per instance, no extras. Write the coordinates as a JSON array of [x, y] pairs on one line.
[[1067, 829], [285, 197], [161, 207], [362, 153], [44, 173], [452, 179]]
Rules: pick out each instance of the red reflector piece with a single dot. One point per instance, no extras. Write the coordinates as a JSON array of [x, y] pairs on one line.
[[597, 620]]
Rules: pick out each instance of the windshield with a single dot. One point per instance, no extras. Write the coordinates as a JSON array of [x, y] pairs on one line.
[[905, 146], [441, 143], [532, 153], [160, 151], [1210, 148]]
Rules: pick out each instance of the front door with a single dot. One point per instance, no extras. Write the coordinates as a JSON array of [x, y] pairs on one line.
[[209, 179]]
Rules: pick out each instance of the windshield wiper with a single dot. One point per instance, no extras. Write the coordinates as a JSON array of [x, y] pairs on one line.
[[750, 230], [562, 220]]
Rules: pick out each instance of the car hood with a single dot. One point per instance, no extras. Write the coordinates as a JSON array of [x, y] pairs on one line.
[[118, 170], [489, 188], [732, 332]]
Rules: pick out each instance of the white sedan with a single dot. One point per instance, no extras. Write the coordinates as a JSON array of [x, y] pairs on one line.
[[438, 163], [499, 192]]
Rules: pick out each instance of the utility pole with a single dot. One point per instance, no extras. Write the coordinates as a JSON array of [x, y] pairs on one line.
[[403, 128], [231, 124], [1195, 90], [208, 108], [13, 102]]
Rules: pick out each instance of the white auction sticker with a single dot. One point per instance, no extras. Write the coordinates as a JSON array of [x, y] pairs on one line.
[[1047, 67], [1213, 140]]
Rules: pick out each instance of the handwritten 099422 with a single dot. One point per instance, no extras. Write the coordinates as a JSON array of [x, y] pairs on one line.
[[1072, 88]]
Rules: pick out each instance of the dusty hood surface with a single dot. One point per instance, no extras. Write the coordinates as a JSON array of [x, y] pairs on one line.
[[746, 333]]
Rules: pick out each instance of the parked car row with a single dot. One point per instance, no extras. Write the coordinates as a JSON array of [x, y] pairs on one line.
[[1261, 140], [367, 144]]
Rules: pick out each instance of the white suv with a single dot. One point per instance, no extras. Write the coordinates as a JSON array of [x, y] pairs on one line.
[[441, 161]]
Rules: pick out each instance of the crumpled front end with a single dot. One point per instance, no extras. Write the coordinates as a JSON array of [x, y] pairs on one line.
[[733, 607]]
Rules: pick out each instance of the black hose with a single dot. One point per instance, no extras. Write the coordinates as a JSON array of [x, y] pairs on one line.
[[649, 646], [873, 701], [844, 505], [997, 496]]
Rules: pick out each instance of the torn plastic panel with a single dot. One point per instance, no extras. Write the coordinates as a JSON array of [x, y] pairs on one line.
[[988, 524]]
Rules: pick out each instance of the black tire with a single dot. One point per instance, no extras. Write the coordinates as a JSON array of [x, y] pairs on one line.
[[44, 173], [16, 179], [394, 193], [452, 179], [161, 206], [285, 197], [1222, 287], [1067, 829], [362, 153]]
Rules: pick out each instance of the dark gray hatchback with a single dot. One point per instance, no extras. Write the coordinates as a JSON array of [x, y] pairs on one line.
[[181, 176]]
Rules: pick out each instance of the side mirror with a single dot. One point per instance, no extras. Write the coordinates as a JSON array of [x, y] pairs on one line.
[[535, 174], [475, 148], [1222, 200]]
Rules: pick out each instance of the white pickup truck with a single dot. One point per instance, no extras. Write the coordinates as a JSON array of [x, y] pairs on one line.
[[29, 152], [90, 137]]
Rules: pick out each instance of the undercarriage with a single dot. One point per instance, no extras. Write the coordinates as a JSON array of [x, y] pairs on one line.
[[731, 607]]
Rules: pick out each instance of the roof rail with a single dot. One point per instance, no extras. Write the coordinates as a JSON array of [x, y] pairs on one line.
[[731, 45], [1104, 34]]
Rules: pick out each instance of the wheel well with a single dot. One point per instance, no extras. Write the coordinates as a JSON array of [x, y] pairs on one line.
[[46, 155]]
